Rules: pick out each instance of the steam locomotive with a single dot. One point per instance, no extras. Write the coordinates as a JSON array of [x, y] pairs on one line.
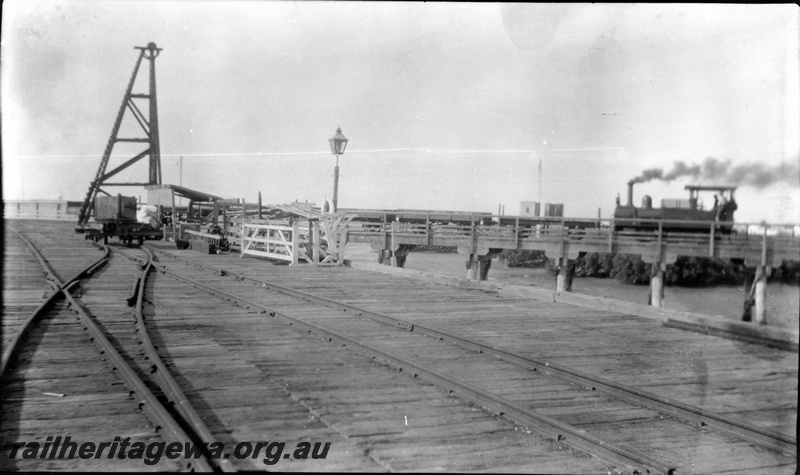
[[674, 216], [678, 215]]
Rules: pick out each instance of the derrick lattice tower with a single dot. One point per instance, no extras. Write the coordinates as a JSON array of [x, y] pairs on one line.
[[147, 120]]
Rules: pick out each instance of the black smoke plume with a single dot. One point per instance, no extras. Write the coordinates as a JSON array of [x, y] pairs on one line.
[[723, 172]]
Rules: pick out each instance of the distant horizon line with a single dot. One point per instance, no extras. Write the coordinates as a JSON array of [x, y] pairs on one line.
[[391, 150]]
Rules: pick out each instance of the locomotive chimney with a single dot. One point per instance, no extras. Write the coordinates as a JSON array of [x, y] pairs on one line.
[[630, 193]]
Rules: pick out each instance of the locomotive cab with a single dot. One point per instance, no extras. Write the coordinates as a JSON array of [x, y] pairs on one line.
[[724, 203]]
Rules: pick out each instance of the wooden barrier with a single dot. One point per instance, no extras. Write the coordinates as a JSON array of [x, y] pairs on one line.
[[296, 241], [565, 238], [48, 210]]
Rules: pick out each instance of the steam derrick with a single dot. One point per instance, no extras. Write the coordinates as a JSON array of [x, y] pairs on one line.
[[149, 125]]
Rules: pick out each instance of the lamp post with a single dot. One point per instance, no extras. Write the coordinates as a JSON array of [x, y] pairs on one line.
[[338, 143]]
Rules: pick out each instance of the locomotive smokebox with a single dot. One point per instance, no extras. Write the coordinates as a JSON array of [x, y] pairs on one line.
[[630, 193]]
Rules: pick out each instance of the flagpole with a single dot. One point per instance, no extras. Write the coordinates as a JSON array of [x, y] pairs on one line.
[[541, 205]]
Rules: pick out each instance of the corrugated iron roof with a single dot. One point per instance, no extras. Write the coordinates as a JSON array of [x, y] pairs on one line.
[[187, 193]]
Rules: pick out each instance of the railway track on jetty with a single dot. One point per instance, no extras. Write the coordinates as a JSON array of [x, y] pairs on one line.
[[230, 393], [37, 354], [429, 354], [357, 315], [388, 393]]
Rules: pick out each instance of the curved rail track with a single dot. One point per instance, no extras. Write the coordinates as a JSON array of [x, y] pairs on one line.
[[156, 395], [365, 332]]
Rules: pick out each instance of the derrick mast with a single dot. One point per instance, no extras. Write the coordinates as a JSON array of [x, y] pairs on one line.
[[148, 124]]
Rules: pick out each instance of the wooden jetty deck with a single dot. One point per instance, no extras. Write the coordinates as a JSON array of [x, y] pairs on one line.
[[704, 370], [67, 390], [255, 378]]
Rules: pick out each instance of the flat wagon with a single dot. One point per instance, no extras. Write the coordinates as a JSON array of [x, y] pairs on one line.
[[116, 216]]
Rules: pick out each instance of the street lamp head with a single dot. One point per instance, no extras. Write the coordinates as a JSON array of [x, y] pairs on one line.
[[338, 142]]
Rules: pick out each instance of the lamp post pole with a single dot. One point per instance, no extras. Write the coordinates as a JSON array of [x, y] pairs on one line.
[[336, 185], [338, 143]]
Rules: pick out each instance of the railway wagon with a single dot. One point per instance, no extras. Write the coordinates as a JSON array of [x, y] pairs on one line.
[[422, 216], [116, 216]]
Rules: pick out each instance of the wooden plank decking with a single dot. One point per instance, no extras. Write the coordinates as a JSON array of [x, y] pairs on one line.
[[751, 382], [255, 378]]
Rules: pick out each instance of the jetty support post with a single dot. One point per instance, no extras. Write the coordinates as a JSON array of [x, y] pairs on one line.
[[757, 297], [657, 284], [760, 314], [393, 257], [565, 261], [658, 260], [755, 305], [478, 262], [566, 272]]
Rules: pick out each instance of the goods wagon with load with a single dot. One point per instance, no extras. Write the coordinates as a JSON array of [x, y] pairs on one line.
[[118, 217]]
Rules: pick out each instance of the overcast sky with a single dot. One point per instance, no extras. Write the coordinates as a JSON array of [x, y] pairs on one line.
[[447, 106]]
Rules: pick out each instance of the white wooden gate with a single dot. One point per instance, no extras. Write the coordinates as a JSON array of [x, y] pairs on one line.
[[313, 241]]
